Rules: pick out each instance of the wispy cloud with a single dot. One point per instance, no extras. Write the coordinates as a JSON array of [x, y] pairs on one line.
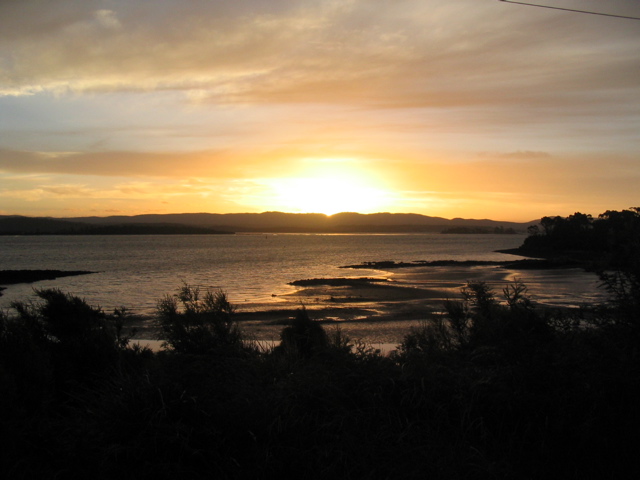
[[374, 52]]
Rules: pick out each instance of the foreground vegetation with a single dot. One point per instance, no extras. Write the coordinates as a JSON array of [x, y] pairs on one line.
[[492, 387], [488, 389]]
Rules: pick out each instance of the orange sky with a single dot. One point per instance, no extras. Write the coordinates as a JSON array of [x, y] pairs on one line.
[[471, 108]]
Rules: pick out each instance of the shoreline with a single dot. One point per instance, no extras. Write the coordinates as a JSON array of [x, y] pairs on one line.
[[381, 309], [383, 312]]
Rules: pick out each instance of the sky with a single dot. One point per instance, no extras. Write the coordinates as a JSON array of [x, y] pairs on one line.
[[451, 108]]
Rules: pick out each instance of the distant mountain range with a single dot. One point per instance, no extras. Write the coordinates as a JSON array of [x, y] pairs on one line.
[[267, 222]]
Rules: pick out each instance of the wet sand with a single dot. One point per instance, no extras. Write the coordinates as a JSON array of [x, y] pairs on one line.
[[382, 312]]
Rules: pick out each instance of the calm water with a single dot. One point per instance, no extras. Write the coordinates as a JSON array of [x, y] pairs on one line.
[[136, 271]]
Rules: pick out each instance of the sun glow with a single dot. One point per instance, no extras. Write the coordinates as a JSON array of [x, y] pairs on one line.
[[329, 193]]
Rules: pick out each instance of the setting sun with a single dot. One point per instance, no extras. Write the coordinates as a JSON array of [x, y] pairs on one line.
[[328, 194], [327, 185]]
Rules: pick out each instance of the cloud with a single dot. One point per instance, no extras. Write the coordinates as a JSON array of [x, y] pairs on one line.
[[113, 164], [66, 190], [583, 179], [220, 164], [407, 54], [107, 18], [519, 155]]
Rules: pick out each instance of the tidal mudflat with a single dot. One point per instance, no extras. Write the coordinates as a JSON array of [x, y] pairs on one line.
[[382, 309]]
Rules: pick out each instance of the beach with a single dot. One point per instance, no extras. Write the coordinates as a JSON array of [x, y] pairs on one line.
[[381, 310]]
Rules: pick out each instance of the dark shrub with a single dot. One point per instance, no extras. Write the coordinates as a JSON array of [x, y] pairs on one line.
[[82, 340], [197, 324], [304, 337]]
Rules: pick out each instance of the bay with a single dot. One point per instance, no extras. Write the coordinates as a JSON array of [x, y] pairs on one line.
[[136, 271]]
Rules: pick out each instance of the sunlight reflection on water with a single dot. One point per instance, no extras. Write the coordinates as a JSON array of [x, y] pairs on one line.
[[136, 271]]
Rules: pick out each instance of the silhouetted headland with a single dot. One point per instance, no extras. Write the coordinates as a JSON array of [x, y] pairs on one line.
[[11, 277], [16, 225], [608, 242]]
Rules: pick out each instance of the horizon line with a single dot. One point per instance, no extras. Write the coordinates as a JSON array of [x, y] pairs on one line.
[[268, 212]]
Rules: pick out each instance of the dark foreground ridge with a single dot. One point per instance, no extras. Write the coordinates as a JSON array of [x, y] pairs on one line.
[[485, 389]]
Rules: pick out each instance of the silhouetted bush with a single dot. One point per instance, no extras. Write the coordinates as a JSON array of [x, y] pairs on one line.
[[26, 372], [81, 341], [196, 324], [304, 338], [535, 392], [52, 352]]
